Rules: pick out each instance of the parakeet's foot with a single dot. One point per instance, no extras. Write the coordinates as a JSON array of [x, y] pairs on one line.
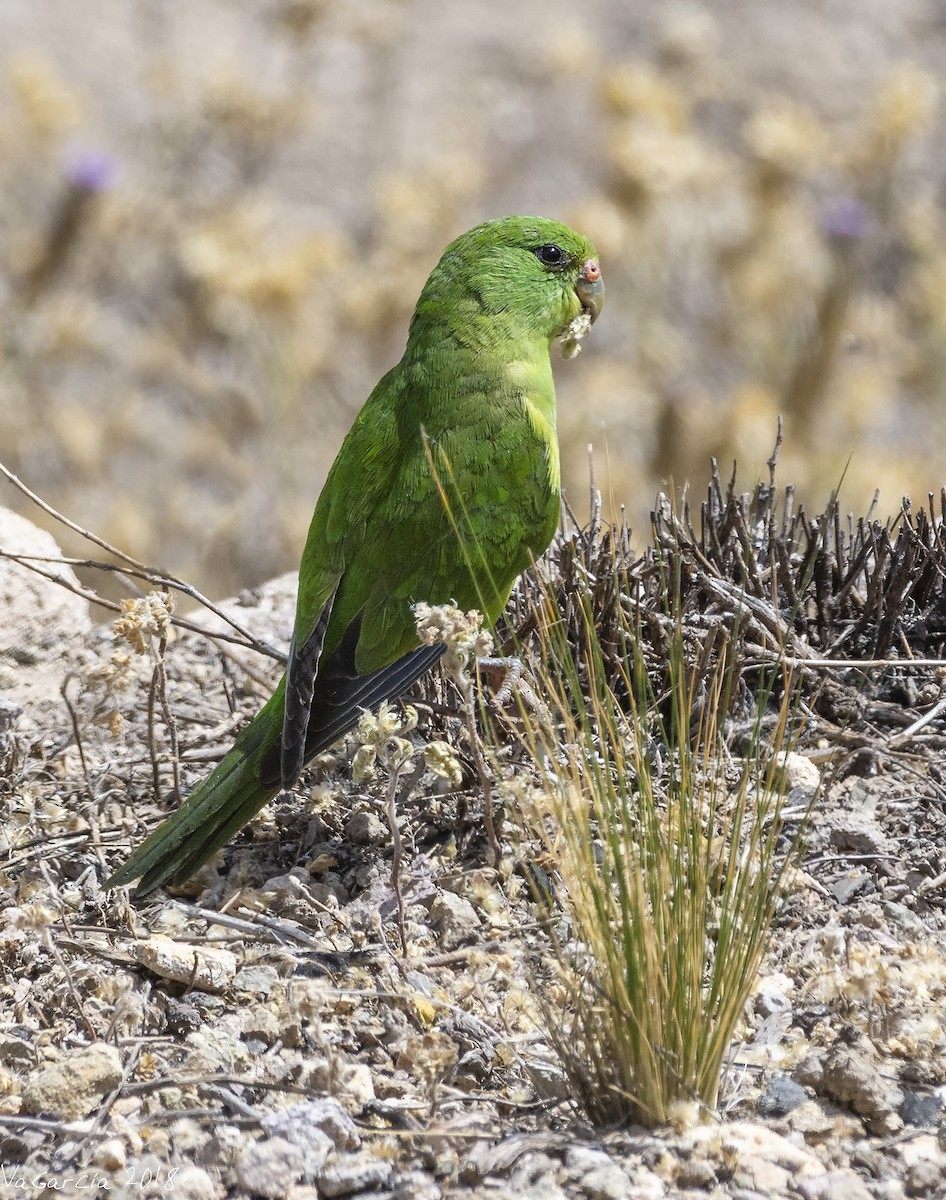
[[507, 679], [502, 675]]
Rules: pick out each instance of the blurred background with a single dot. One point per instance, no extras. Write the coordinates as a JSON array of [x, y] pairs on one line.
[[215, 218]]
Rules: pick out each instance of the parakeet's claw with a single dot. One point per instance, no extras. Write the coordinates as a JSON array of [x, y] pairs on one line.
[[508, 678], [502, 675]]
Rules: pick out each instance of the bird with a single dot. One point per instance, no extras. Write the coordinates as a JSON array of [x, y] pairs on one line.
[[446, 487]]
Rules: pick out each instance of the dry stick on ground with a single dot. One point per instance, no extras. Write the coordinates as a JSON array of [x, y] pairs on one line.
[[74, 719], [132, 567], [395, 796], [245, 638], [158, 691]]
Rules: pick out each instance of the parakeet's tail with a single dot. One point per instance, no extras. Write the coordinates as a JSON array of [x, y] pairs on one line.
[[249, 776], [341, 695], [219, 806]]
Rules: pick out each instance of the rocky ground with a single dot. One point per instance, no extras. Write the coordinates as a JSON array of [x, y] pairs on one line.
[[261, 1035]]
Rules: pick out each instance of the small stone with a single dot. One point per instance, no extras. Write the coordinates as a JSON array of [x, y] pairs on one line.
[[365, 828], [181, 1018], [921, 1109], [780, 1097], [850, 1077], [761, 1175], [313, 1145], [16, 1053], [76, 1084], [607, 1182], [811, 1121], [857, 832], [810, 1070], [455, 918], [695, 1172], [753, 1155], [647, 1185], [548, 1078], [269, 1168], [850, 886], [261, 1025], [259, 978], [215, 1050], [225, 1146], [925, 1165], [834, 1185], [324, 1116], [354, 1173], [772, 994], [579, 1160], [208, 968], [189, 1137], [801, 774], [357, 1083], [193, 1183], [924, 1179], [37, 612], [110, 1155], [415, 1185], [887, 1189]]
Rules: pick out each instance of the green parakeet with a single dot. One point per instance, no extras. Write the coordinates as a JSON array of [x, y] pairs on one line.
[[445, 488]]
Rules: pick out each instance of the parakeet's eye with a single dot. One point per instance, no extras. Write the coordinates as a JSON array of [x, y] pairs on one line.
[[551, 255]]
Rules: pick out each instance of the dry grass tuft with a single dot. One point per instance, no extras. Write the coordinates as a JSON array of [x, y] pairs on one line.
[[658, 800]]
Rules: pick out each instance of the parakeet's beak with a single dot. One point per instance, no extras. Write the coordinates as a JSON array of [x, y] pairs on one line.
[[590, 288]]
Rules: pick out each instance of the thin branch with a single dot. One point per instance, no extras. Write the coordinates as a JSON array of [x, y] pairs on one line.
[[246, 638], [132, 565]]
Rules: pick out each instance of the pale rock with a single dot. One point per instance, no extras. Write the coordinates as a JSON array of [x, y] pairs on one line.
[[834, 1185], [647, 1185], [750, 1149], [608, 1182], [207, 968], [314, 1145], [38, 613], [848, 1075], [810, 1120], [455, 918], [324, 1115], [772, 994], [357, 1084], [259, 978], [76, 1084], [269, 1168], [42, 619], [111, 1155], [193, 1183], [415, 1185], [215, 1051], [354, 1173], [365, 828], [579, 1160], [802, 777]]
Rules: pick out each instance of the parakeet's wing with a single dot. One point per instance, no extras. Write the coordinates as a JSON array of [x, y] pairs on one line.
[[339, 694], [301, 672], [325, 692]]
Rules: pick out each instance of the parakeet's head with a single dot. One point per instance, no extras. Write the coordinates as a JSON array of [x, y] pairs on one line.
[[525, 277]]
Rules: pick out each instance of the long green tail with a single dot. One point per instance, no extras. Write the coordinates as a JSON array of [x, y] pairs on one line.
[[249, 776], [210, 816]]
